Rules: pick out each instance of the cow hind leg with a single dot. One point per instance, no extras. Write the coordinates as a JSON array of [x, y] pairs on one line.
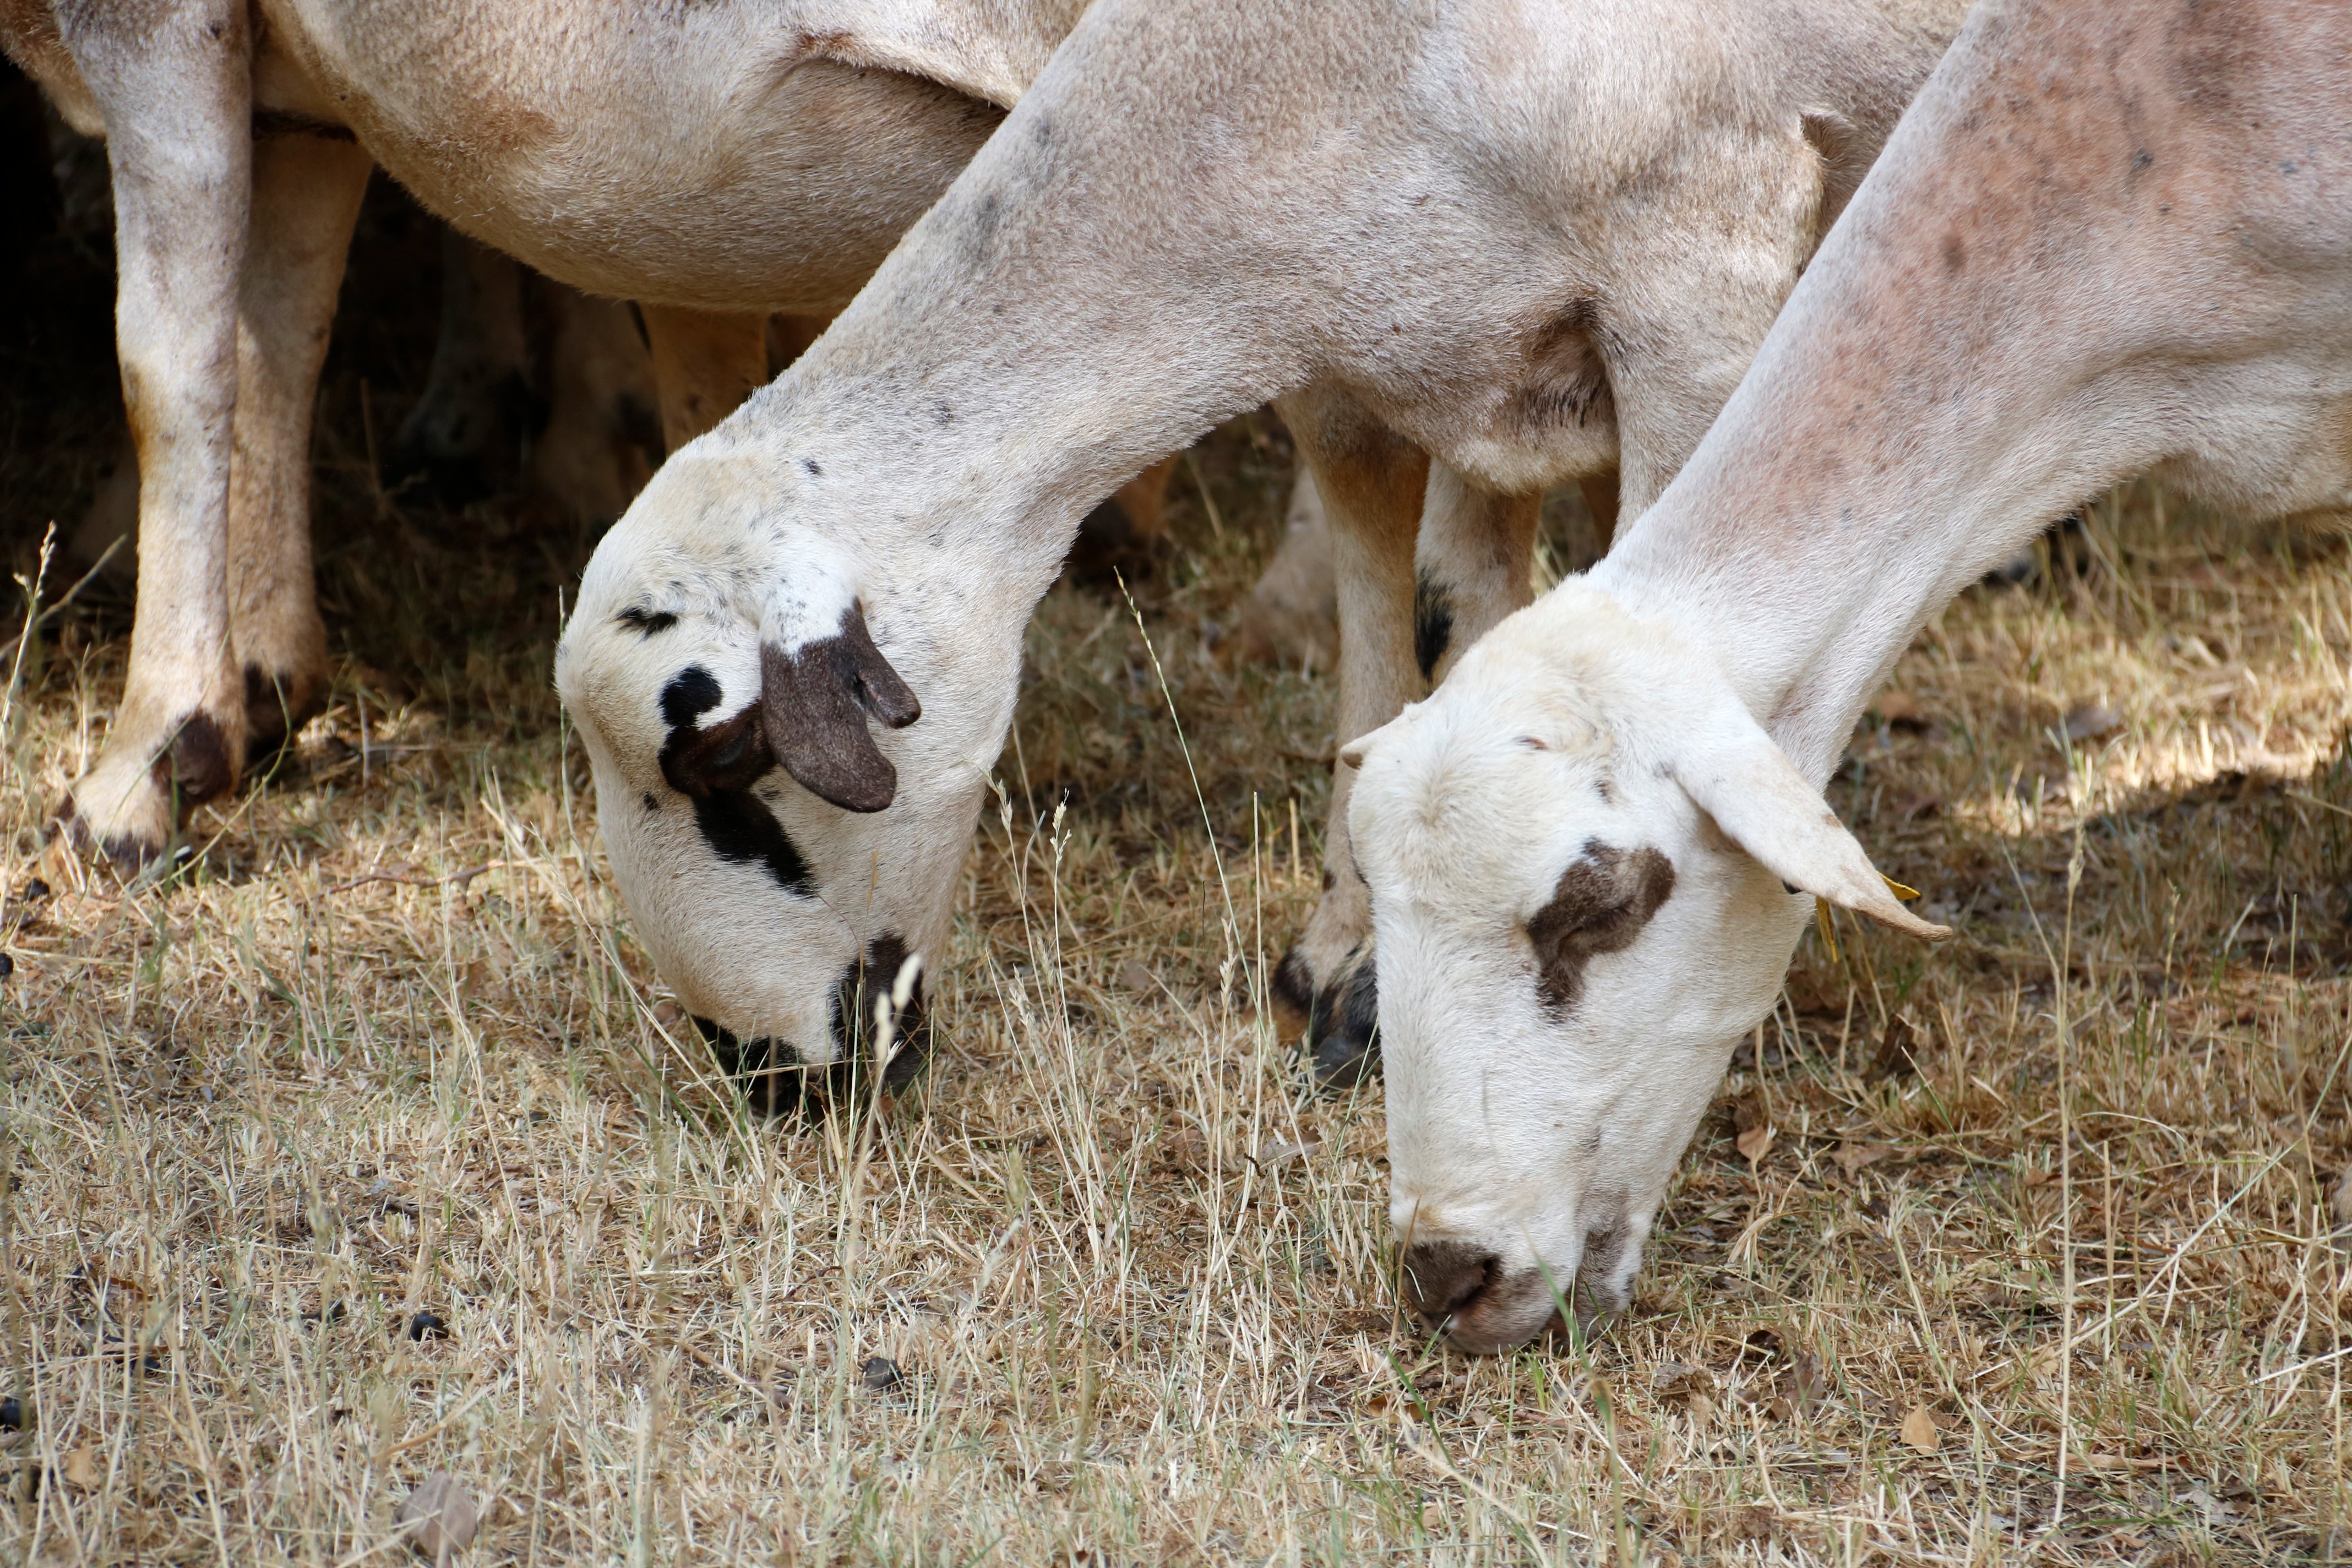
[[175, 90], [305, 198], [1372, 483], [461, 441]]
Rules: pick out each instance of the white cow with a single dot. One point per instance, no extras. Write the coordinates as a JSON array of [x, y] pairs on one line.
[[1475, 247], [2107, 240], [717, 161]]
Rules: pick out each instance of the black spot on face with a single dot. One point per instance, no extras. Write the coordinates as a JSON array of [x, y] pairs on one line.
[[810, 464], [648, 800], [715, 768], [646, 622], [1432, 623], [1955, 253], [1600, 905]]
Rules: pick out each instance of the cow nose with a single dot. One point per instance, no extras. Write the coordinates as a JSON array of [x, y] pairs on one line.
[[1441, 1277]]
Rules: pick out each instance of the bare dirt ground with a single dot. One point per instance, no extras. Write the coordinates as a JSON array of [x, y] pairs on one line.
[[360, 1148]]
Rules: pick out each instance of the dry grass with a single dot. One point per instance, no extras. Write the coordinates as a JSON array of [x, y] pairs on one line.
[[2056, 1198]]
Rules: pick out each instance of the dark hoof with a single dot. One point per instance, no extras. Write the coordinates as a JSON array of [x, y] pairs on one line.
[[276, 709], [1341, 1020], [129, 853]]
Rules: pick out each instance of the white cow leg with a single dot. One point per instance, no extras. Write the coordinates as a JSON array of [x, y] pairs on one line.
[[1372, 482], [1470, 568], [177, 103], [306, 197]]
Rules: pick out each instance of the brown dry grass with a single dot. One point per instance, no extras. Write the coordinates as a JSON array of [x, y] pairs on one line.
[[2055, 1202]]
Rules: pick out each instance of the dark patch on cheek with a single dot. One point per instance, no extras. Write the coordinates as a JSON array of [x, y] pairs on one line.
[[1955, 253], [1432, 623], [649, 803], [742, 830], [715, 768], [1600, 905]]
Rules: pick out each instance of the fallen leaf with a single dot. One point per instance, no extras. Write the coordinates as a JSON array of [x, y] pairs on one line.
[[1433, 1515], [439, 1518], [1137, 978], [1900, 710], [1919, 1430], [1898, 1049], [1680, 1380], [2089, 721], [2121, 1462], [1912, 807], [82, 1467], [1852, 1157], [1275, 1153], [2341, 1207], [2033, 1176], [1751, 1126], [879, 1374]]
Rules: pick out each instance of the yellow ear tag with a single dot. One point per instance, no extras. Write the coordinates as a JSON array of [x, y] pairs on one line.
[[1897, 888], [1821, 924]]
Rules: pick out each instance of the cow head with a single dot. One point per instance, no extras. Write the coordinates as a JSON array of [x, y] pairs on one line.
[[1589, 867], [789, 735]]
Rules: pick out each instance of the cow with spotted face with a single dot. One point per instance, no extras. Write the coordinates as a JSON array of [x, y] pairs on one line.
[[1471, 249], [2106, 240]]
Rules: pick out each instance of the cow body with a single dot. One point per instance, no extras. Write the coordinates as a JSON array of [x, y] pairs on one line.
[[1472, 249], [2106, 241], [719, 161]]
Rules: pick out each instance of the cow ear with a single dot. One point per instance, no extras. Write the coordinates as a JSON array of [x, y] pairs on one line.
[[1740, 778], [815, 700]]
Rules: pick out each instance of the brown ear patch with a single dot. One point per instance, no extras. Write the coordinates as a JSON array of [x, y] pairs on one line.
[[1600, 905], [814, 702]]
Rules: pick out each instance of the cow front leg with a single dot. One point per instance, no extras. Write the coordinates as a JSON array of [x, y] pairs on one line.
[[1371, 482], [174, 82], [305, 198], [705, 362], [1471, 567]]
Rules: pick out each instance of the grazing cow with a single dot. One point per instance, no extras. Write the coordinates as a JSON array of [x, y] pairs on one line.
[[1473, 248], [716, 162], [2106, 240]]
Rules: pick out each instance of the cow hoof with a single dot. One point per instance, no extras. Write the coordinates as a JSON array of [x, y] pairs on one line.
[[132, 840], [1339, 1018], [125, 806], [276, 707]]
